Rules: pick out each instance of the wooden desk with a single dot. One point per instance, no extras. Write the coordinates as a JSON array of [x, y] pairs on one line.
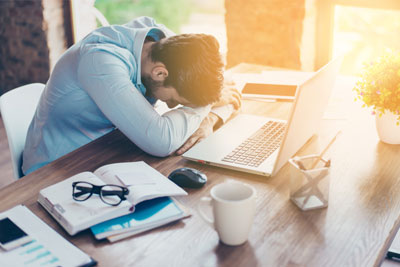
[[355, 230]]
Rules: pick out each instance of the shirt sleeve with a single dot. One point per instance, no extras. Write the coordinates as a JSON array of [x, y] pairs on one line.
[[106, 78], [223, 112]]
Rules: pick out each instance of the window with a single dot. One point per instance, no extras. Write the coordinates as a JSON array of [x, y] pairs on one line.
[[360, 29]]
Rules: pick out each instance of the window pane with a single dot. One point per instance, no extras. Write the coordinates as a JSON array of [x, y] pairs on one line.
[[363, 34]]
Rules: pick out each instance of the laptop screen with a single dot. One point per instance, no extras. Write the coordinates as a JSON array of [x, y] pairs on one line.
[[307, 110]]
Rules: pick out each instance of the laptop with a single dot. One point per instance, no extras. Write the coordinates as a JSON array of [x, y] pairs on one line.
[[262, 145]]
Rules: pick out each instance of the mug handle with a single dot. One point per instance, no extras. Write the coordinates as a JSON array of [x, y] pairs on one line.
[[205, 200]]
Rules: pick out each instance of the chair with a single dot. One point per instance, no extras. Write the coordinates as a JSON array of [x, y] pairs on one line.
[[17, 108]]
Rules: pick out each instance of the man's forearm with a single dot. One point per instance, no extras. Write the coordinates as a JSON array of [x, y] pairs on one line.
[[214, 120]]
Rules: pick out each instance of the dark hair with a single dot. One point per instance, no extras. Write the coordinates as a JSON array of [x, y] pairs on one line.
[[194, 65]]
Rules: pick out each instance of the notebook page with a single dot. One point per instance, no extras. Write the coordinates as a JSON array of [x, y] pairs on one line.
[[144, 182], [79, 215]]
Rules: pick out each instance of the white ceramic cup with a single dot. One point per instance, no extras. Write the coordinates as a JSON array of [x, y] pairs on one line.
[[233, 206]]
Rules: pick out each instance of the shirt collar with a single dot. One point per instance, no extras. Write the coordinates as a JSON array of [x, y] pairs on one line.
[[141, 35]]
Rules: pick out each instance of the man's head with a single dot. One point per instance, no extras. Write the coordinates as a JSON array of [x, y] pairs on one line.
[[189, 63]]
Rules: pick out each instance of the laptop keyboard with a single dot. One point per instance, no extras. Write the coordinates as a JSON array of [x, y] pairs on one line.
[[255, 149]]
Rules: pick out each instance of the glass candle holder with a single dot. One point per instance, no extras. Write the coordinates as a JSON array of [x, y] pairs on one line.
[[309, 182]]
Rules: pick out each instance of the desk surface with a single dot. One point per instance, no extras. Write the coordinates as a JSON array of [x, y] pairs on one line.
[[355, 229]]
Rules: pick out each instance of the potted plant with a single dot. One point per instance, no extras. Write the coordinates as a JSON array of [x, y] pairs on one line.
[[379, 88]]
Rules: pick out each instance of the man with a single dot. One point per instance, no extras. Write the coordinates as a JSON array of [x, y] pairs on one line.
[[112, 79]]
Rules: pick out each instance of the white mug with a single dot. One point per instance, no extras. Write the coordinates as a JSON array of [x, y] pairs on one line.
[[233, 206]]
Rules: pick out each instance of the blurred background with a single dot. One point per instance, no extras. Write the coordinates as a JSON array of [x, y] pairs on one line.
[[360, 33], [293, 34]]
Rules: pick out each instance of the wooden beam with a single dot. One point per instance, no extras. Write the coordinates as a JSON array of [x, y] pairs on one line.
[[324, 32]]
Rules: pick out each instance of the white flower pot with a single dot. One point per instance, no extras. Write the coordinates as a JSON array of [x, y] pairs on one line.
[[388, 130]]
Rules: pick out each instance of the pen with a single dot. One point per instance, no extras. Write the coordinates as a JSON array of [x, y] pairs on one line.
[[324, 151]]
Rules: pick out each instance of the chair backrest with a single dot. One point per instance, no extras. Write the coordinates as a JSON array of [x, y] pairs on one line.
[[17, 108]]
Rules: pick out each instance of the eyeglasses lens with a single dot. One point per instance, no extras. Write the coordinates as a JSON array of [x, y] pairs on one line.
[[111, 194], [82, 191]]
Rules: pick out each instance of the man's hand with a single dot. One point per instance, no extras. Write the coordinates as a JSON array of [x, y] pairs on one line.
[[229, 95], [205, 129]]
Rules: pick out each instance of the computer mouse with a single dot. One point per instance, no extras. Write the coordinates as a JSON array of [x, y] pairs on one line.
[[188, 177]]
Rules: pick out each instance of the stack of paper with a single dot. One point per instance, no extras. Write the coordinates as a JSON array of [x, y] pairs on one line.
[[148, 215]]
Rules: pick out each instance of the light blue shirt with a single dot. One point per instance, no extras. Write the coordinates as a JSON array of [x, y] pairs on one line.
[[96, 87]]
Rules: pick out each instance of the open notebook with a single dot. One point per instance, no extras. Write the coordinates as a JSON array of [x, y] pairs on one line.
[[143, 182]]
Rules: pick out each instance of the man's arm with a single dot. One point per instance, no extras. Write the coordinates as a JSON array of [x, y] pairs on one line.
[[106, 78], [205, 129], [230, 102]]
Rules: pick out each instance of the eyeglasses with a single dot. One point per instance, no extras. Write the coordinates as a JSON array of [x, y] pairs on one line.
[[110, 194]]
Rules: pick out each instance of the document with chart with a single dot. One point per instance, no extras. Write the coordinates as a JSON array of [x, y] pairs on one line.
[[47, 247]]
